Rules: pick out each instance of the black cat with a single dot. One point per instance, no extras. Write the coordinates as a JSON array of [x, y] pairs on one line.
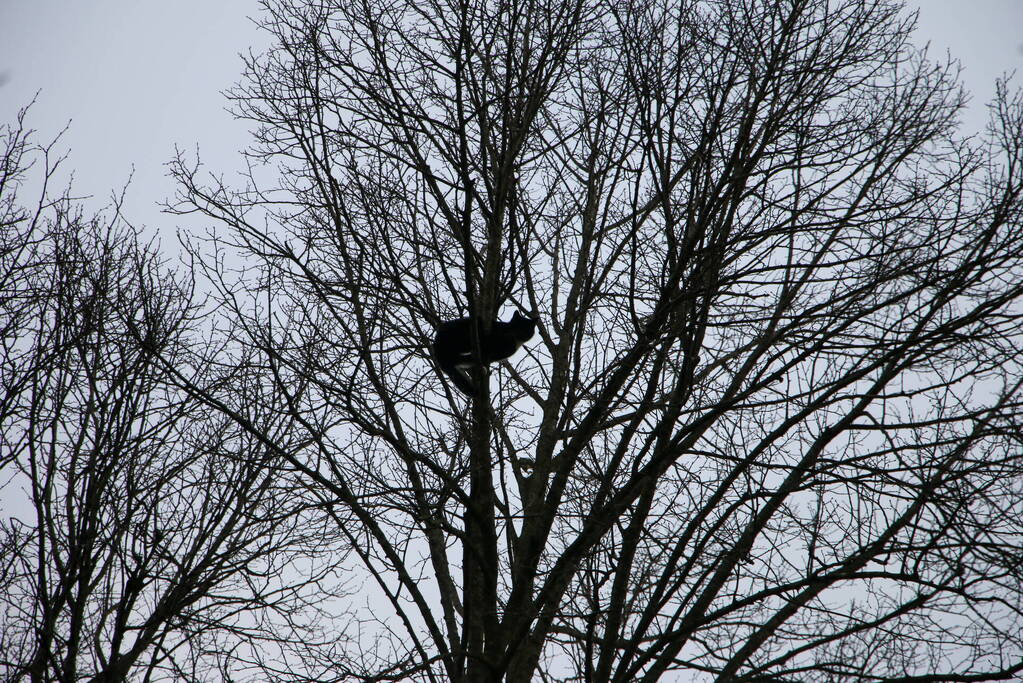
[[452, 345]]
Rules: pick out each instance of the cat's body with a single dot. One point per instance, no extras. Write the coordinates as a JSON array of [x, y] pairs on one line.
[[452, 345]]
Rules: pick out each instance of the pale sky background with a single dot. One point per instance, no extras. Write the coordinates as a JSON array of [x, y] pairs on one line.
[[136, 77]]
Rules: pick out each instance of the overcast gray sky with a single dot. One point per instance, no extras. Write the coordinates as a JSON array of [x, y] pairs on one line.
[[136, 77]]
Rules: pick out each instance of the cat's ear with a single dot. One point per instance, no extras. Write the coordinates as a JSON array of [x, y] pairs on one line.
[[516, 316]]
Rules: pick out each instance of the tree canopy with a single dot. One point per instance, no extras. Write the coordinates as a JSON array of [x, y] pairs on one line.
[[768, 430]]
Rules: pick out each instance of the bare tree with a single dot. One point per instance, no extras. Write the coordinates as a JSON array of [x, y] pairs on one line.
[[140, 528], [770, 430]]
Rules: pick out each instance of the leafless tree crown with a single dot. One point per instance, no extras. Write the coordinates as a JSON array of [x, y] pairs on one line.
[[769, 429]]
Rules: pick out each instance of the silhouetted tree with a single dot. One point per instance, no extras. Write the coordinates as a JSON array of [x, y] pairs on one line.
[[139, 527], [770, 427]]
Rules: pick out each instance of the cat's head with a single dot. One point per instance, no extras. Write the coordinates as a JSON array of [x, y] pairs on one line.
[[523, 327]]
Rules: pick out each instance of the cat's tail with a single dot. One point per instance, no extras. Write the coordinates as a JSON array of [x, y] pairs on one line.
[[459, 379], [448, 365]]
